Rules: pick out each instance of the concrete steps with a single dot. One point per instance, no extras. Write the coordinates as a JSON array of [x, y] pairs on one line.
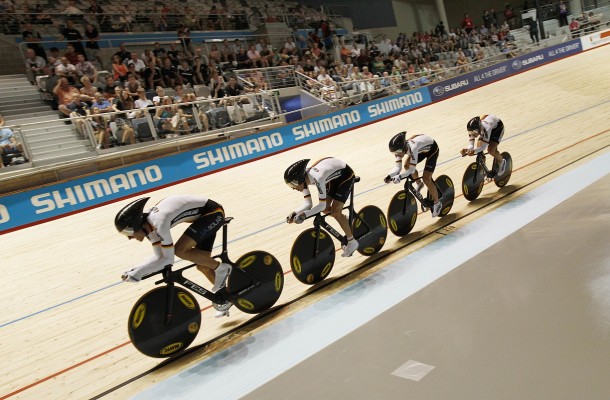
[[48, 137]]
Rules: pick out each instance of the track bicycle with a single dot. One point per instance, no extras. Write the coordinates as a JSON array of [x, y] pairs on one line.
[[402, 211], [313, 253], [166, 320], [477, 172]]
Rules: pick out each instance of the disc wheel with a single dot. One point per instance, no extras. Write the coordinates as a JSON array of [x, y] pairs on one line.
[[446, 193], [370, 229], [262, 273], [473, 181], [308, 265], [501, 181], [155, 335], [402, 213]]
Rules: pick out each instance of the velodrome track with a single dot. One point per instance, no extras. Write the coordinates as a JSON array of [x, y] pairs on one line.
[[63, 327]]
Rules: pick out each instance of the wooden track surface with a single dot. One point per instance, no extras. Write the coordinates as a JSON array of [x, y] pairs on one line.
[[64, 314]]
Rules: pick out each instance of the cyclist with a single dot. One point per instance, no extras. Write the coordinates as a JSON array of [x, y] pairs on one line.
[[195, 245], [490, 130], [334, 180], [416, 148]]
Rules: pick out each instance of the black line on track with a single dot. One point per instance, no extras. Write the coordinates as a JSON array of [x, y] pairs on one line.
[[326, 283]]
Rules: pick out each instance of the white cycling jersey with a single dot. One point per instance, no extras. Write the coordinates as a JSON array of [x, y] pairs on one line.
[[162, 217], [420, 145], [320, 174], [488, 124]]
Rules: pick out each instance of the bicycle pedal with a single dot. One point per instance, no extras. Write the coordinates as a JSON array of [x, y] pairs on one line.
[[223, 306]]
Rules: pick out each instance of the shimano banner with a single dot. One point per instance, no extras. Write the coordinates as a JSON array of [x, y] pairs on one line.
[[49, 202]]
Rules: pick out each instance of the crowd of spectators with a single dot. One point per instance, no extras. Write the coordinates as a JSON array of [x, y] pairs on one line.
[[392, 65], [124, 16], [138, 77], [182, 66]]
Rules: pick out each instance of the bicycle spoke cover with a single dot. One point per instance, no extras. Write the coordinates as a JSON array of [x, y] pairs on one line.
[[257, 282], [155, 335], [370, 228], [473, 181], [501, 181], [309, 266], [444, 184], [402, 213]]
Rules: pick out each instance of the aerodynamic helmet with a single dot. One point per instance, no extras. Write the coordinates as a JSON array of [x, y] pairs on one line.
[[397, 143], [295, 174], [131, 217], [474, 124]]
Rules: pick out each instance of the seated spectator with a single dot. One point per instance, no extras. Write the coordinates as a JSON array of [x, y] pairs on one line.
[[202, 71], [233, 88], [509, 49], [323, 76], [143, 102], [159, 52], [255, 57], [101, 104], [71, 54], [101, 129], [66, 70], [119, 70], [34, 65], [88, 88], [158, 98], [167, 117], [132, 85], [174, 54], [137, 62], [124, 103], [123, 53], [152, 76], [241, 57], [85, 68], [109, 87], [147, 56], [218, 91], [169, 73], [125, 133], [177, 98], [186, 75], [199, 110], [80, 110], [9, 145], [66, 95]]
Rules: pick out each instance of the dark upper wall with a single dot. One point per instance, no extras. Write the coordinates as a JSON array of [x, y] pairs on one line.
[[456, 9], [365, 14], [370, 14]]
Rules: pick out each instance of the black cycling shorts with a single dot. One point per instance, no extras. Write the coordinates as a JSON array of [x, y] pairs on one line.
[[203, 230], [340, 187]]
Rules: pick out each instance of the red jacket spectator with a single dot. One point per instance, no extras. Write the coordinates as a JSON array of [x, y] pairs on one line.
[[467, 23]]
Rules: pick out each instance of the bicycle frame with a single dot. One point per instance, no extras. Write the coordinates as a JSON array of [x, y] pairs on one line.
[[409, 187], [481, 163], [171, 278], [320, 222]]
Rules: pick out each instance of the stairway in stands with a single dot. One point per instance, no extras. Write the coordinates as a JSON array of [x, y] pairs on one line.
[[49, 142]]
